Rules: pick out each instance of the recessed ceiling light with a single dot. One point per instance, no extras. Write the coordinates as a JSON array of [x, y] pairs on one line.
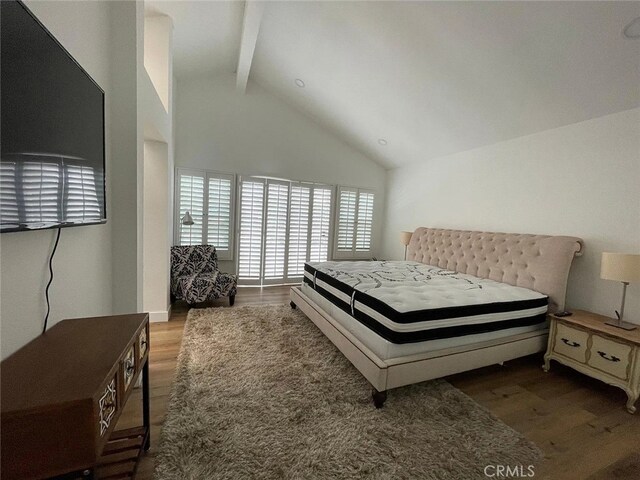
[[632, 30], [382, 141], [300, 82]]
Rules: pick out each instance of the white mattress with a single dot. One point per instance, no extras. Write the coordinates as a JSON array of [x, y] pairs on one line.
[[386, 350]]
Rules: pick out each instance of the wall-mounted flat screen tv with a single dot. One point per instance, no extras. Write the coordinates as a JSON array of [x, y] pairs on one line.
[[52, 154]]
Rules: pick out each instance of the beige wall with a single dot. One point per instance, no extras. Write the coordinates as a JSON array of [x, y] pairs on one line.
[[582, 180]]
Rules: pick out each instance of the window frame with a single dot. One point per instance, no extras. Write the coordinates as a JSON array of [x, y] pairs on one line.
[[224, 255], [353, 253]]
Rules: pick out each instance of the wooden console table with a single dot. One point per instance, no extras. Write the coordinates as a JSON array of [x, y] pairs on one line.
[[62, 395]]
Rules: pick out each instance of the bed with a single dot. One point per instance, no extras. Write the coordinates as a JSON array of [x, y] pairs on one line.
[[462, 300]]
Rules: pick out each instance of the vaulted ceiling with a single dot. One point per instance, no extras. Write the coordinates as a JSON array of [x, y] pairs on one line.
[[430, 78]]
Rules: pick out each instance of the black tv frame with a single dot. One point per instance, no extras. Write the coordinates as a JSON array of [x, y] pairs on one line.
[[104, 135]]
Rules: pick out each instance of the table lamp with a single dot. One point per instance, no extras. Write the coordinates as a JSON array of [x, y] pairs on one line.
[[405, 238], [625, 268]]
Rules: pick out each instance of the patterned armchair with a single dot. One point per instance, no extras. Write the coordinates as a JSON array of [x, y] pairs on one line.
[[195, 276]]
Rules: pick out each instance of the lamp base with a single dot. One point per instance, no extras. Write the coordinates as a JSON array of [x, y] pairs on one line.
[[622, 325]]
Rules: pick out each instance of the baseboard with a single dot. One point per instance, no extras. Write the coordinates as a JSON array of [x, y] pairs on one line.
[[159, 316]]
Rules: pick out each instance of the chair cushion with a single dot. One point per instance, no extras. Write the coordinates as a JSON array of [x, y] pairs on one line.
[[206, 286]]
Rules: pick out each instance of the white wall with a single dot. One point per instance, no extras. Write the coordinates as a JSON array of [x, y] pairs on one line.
[[127, 26], [157, 54], [582, 180], [157, 104], [156, 239], [255, 133], [82, 285]]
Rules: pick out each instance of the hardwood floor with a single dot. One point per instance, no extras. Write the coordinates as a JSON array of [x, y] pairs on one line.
[[580, 424]]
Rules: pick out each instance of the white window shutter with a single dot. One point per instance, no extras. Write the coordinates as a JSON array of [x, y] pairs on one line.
[[251, 223], [346, 219], [191, 199], [276, 230], [41, 190], [80, 195], [320, 224], [9, 212], [365, 221], [220, 213], [298, 229], [355, 223]]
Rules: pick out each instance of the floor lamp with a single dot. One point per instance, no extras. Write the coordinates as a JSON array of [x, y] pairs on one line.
[[187, 219], [624, 268], [405, 238]]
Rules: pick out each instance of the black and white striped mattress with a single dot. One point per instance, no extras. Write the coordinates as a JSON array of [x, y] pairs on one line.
[[406, 302]]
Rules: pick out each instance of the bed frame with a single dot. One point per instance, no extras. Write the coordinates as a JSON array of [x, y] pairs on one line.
[[538, 262]]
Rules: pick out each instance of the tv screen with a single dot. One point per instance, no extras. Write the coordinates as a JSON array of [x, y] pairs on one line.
[[52, 155]]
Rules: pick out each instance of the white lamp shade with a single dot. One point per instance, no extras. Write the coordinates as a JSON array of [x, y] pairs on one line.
[[405, 238], [187, 219], [623, 267]]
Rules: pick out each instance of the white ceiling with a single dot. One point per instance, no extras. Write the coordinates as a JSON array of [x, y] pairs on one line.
[[432, 78]]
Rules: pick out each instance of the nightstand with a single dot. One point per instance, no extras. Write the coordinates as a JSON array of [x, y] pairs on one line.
[[584, 343]]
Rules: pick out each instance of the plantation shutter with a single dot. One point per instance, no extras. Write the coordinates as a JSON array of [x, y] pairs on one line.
[[9, 212], [298, 229], [365, 221], [320, 224], [355, 223], [41, 191], [251, 222], [80, 195], [191, 199], [276, 230], [220, 214], [346, 219]]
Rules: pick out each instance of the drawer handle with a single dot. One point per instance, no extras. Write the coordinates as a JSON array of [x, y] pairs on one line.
[[611, 358], [570, 343]]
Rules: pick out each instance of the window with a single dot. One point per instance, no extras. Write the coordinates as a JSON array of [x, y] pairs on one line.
[[280, 224], [219, 212], [283, 224], [298, 230], [320, 224], [209, 199], [276, 230], [250, 245], [355, 223]]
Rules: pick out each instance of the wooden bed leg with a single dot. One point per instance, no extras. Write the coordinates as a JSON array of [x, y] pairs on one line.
[[293, 305], [378, 397]]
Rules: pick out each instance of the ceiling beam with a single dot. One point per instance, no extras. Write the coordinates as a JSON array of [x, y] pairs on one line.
[[250, 27]]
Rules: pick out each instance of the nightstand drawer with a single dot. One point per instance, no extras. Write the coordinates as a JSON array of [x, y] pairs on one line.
[[571, 343], [610, 357]]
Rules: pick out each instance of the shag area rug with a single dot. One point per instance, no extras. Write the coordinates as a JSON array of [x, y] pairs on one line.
[[260, 393]]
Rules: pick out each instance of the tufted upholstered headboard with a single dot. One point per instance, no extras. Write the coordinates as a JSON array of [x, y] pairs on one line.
[[537, 262]]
